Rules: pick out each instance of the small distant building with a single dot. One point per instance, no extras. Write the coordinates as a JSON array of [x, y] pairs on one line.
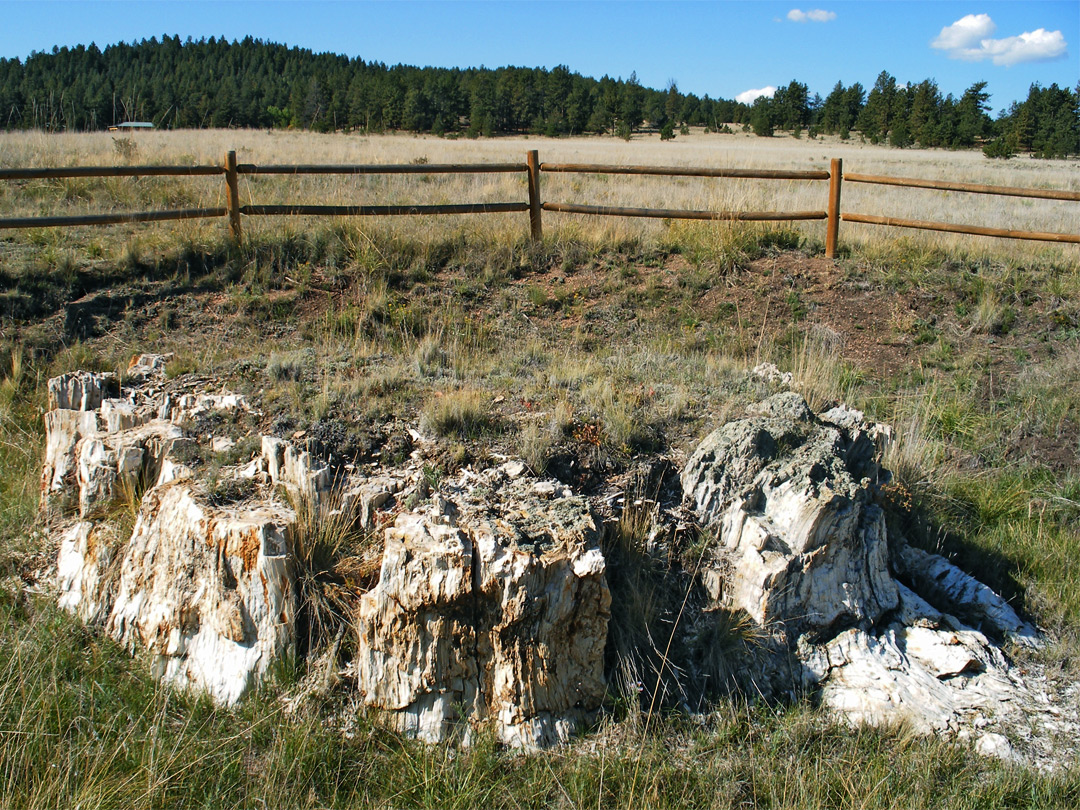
[[132, 125]]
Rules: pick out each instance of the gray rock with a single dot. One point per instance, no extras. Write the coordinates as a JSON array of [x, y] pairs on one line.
[[801, 540], [802, 547]]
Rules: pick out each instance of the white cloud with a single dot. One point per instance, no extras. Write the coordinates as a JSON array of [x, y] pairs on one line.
[[969, 39], [749, 96], [814, 15], [1031, 46], [964, 33]]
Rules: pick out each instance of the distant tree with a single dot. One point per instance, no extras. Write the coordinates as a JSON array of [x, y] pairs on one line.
[[899, 135], [667, 132], [1047, 123], [251, 83], [631, 102], [605, 107], [924, 115], [876, 117], [791, 107], [972, 121], [761, 118], [673, 102], [999, 148]]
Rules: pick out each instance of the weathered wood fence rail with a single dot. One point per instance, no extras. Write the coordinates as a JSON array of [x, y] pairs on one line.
[[532, 168]]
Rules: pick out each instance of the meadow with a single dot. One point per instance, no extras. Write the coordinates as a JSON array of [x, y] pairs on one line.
[[738, 150], [641, 330]]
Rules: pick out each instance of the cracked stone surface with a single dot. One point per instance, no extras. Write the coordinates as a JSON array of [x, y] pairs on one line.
[[208, 593], [792, 497]]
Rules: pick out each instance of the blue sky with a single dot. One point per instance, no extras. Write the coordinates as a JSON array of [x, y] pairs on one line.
[[721, 48]]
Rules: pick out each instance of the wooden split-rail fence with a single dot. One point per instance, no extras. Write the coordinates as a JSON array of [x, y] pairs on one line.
[[234, 211]]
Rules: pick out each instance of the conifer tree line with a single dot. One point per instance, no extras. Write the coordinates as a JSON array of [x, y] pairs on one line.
[[217, 83]]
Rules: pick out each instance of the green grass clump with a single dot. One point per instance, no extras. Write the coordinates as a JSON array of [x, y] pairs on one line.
[[463, 413], [335, 559], [83, 725]]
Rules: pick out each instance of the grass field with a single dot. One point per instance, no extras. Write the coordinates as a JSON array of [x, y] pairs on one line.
[[641, 331], [715, 150]]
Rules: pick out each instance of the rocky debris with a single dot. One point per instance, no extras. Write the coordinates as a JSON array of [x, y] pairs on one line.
[[298, 471], [770, 373], [81, 390], [145, 368], [495, 604], [997, 746], [119, 464], [802, 548], [946, 586], [925, 668], [192, 406]]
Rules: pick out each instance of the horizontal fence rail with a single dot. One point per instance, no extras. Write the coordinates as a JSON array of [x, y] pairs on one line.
[[112, 219], [532, 168], [680, 213], [109, 171], [681, 171], [381, 210], [386, 168], [941, 185], [969, 188], [974, 230]]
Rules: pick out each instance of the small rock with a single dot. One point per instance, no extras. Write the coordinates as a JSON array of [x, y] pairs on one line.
[[769, 372], [146, 367], [514, 469], [221, 444], [995, 745]]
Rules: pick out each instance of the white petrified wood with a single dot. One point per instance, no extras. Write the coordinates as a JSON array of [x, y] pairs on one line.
[[87, 552], [208, 592], [494, 606], [802, 547], [801, 539]]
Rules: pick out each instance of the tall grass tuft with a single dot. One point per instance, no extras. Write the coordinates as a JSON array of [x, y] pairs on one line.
[[462, 413], [644, 615], [335, 560]]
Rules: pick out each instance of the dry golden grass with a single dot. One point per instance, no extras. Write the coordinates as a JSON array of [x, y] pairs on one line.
[[25, 149]]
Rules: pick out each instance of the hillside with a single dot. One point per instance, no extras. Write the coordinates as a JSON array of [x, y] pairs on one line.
[[217, 83]]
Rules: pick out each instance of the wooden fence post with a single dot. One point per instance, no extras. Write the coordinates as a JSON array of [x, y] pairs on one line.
[[232, 195], [832, 226], [535, 227]]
